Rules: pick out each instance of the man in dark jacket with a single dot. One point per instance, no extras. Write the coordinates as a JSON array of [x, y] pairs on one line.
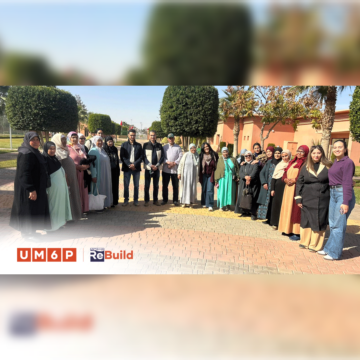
[[131, 156], [153, 159]]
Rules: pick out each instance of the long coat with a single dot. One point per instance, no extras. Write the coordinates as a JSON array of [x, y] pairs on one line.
[[180, 171], [253, 171], [313, 192], [30, 215], [265, 178]]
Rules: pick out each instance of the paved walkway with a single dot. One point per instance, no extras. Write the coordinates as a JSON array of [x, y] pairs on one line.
[[169, 239]]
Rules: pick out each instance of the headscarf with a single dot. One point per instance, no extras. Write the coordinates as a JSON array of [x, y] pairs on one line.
[[95, 140], [224, 149], [241, 158], [109, 149], [271, 148], [243, 151], [53, 164], [82, 146], [298, 162], [281, 166], [62, 152], [194, 156], [247, 152], [276, 161], [77, 147], [26, 148]]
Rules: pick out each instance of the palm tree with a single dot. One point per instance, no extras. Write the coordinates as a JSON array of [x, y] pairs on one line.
[[327, 94], [83, 116]]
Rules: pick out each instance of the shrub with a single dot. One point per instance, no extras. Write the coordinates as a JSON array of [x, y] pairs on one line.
[[271, 144], [124, 130], [41, 108], [190, 110], [101, 121], [156, 126], [178, 140], [231, 149], [222, 144], [354, 115], [164, 141]]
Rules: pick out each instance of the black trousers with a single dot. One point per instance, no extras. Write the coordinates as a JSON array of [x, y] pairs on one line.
[[155, 176], [175, 184], [115, 174]]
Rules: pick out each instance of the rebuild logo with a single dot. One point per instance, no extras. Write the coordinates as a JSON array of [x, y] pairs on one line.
[[46, 255], [100, 255]]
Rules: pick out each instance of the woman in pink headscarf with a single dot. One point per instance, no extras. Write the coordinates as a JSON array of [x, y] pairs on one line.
[[76, 153], [290, 215]]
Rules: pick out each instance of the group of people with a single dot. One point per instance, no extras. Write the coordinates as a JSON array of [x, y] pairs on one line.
[[297, 196]]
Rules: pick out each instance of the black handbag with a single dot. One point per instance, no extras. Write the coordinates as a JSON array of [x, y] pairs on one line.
[[246, 199]]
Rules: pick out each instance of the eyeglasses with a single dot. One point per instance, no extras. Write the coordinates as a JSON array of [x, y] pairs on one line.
[[300, 151], [247, 155]]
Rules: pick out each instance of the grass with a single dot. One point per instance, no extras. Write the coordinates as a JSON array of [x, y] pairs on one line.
[[7, 164], [5, 143], [357, 194], [7, 151], [357, 171]]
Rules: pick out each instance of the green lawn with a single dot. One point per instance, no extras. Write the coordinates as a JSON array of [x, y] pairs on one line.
[[5, 143], [357, 171], [7, 164], [357, 194], [7, 151]]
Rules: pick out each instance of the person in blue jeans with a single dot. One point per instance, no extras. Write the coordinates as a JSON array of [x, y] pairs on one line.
[[208, 162], [342, 200], [131, 156]]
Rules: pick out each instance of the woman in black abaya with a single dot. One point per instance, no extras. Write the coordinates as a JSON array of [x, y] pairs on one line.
[[30, 210], [112, 152]]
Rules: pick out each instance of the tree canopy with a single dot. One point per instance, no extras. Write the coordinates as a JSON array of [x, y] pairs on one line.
[[101, 121], [190, 110], [41, 108], [156, 126]]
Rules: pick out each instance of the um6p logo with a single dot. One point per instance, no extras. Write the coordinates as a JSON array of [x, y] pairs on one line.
[[46, 255]]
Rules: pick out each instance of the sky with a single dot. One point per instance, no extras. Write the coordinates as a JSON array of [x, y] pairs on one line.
[[141, 104]]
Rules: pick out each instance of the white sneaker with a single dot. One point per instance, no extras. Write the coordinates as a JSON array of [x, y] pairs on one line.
[[204, 206], [211, 209], [328, 257], [221, 209], [322, 252]]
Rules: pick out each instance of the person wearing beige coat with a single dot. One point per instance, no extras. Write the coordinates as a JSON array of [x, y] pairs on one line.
[[188, 174]]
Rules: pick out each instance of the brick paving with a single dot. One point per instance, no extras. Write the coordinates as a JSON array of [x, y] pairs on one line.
[[174, 240]]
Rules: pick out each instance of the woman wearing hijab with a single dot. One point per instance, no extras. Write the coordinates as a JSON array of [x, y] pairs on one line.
[[113, 155], [259, 156], [313, 198], [188, 174], [62, 154], [58, 194], [208, 161], [249, 178], [241, 158], [77, 154], [30, 210], [101, 172], [290, 214], [226, 176], [277, 188], [265, 199], [82, 140]]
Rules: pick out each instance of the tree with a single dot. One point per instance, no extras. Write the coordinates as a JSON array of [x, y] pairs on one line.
[[281, 105], [101, 121], [82, 112], [190, 111], [320, 95], [239, 103], [41, 108], [117, 129], [156, 126], [354, 115], [3, 94], [191, 44], [124, 130]]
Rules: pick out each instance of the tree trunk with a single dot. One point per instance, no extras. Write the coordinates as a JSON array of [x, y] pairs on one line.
[[39, 132], [328, 118], [47, 136], [261, 136], [236, 136]]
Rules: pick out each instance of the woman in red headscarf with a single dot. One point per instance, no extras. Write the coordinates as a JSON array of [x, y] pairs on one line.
[[290, 214]]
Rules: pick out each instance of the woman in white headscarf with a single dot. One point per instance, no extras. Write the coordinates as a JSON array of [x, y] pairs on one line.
[[188, 174], [226, 176], [62, 154], [101, 172]]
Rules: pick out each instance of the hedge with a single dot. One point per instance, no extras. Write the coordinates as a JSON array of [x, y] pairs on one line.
[[100, 121], [41, 108]]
